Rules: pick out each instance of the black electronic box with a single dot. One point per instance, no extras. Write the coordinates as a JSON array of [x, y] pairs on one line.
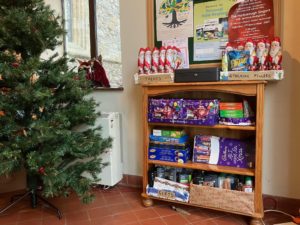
[[197, 75]]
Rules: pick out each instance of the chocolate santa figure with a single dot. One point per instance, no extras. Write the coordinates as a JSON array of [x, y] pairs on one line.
[[240, 46], [174, 54], [162, 59], [155, 60], [268, 45], [225, 59], [147, 61], [179, 59], [250, 46], [275, 54], [141, 60], [261, 55], [169, 60], [228, 47]]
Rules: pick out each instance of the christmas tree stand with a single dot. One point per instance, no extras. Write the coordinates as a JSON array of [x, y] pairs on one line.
[[32, 183]]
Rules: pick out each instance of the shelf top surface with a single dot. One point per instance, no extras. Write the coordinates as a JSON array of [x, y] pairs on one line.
[[206, 83], [217, 126], [208, 167]]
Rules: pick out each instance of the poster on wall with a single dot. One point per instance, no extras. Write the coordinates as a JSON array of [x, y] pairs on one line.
[[182, 44], [251, 19], [211, 29], [174, 19]]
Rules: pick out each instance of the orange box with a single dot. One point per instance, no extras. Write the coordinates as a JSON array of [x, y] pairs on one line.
[[231, 106]]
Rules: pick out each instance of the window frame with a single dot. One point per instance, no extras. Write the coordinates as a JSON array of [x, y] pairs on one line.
[[93, 38], [93, 33]]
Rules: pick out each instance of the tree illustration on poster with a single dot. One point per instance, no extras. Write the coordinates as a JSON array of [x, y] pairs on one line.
[[173, 7]]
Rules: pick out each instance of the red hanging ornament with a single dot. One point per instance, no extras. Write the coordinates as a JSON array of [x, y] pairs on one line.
[[15, 64], [41, 170]]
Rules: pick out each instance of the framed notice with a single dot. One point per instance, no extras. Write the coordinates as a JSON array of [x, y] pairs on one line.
[[211, 29], [251, 19], [213, 61]]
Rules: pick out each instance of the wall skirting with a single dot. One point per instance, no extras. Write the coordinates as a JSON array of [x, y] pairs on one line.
[[288, 205], [131, 181]]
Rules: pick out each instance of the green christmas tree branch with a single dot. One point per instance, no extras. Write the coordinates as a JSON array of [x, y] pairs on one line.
[[42, 105]]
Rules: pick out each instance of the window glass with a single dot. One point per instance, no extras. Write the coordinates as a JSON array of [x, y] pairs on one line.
[[77, 25], [108, 38]]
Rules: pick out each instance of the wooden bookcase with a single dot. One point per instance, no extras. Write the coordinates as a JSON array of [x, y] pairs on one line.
[[228, 91]]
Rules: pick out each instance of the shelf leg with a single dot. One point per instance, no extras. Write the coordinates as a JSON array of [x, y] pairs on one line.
[[256, 221], [147, 202]]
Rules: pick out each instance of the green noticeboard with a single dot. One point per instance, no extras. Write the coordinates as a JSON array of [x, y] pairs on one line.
[[208, 37]]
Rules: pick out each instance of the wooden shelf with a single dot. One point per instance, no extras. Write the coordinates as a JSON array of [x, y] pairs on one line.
[[206, 83], [207, 167], [219, 126], [231, 90]]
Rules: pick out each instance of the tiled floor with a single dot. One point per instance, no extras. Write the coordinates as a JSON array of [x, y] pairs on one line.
[[118, 206]]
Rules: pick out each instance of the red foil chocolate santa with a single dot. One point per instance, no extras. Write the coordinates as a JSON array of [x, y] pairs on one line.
[[228, 47], [141, 60], [169, 60], [147, 61], [261, 55], [155, 60], [162, 59], [250, 46], [178, 61], [240, 46], [275, 54]]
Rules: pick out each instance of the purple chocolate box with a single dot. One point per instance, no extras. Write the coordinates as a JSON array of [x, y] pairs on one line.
[[236, 153], [201, 112], [165, 110], [223, 151], [183, 111], [246, 121]]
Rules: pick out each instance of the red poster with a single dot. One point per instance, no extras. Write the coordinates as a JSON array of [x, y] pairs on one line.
[[251, 19]]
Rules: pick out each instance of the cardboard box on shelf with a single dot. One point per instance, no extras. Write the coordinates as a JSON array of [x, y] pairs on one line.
[[153, 78], [252, 75]]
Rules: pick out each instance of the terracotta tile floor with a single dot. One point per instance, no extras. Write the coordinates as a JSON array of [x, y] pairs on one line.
[[118, 206]]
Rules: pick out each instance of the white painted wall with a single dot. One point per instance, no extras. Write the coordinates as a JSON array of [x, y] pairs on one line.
[[281, 166], [281, 169], [128, 102]]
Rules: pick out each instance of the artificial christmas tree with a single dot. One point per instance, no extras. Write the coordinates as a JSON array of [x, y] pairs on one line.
[[42, 103]]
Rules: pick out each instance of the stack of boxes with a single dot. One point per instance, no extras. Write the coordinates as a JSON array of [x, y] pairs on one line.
[[231, 110], [236, 113], [206, 149], [169, 145]]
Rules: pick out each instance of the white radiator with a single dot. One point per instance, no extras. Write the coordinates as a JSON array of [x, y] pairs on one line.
[[113, 173]]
